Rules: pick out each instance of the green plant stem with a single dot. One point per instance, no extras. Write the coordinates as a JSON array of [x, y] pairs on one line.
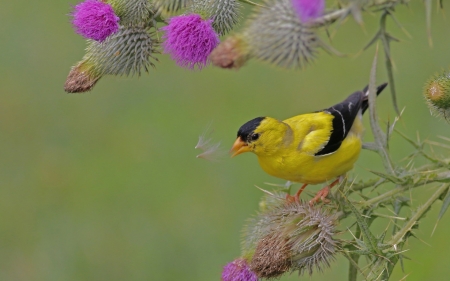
[[397, 238], [378, 134], [353, 269]]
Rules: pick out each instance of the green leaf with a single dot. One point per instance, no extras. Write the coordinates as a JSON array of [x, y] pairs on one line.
[[445, 204]]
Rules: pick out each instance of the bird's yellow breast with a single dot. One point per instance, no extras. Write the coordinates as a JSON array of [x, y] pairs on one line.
[[297, 162], [306, 168]]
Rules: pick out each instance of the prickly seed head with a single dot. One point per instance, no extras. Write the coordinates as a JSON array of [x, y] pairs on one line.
[[437, 94]]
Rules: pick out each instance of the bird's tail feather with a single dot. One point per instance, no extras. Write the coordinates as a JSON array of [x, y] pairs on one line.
[[365, 103]]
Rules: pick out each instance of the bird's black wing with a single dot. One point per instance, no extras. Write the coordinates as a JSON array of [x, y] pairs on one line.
[[344, 114]]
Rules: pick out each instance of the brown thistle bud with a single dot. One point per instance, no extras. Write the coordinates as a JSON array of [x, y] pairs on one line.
[[231, 53], [437, 94], [81, 78]]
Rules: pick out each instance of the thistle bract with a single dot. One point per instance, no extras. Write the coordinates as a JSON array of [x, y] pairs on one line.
[[275, 34], [224, 13], [95, 20], [189, 40], [437, 94], [308, 10], [136, 12], [290, 237], [82, 77], [238, 270]]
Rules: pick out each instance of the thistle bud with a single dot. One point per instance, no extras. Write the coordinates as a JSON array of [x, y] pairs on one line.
[[437, 94], [290, 237], [231, 53], [82, 77]]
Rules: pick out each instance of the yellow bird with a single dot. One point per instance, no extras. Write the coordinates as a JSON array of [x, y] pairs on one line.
[[309, 148]]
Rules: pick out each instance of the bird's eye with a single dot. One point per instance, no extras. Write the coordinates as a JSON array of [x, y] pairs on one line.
[[254, 137]]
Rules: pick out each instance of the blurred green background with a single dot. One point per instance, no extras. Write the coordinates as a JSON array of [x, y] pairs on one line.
[[106, 186]]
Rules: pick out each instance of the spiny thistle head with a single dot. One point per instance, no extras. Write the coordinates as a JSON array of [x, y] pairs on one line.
[[82, 77], [308, 10], [231, 53], [294, 237], [224, 13], [136, 12], [189, 40], [238, 270], [437, 94], [276, 35], [124, 53], [94, 19]]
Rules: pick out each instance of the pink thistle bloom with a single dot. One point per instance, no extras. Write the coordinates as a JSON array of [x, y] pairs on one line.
[[308, 10], [189, 40], [94, 19], [238, 270]]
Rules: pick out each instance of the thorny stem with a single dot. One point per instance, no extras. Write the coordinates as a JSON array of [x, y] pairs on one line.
[[441, 177], [353, 270], [397, 238], [378, 134], [385, 39]]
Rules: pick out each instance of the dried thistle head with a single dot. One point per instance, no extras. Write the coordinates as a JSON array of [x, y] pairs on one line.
[[276, 35], [231, 53], [437, 94], [82, 78], [272, 256], [294, 237]]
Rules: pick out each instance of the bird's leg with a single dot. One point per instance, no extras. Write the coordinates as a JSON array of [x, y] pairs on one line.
[[323, 193], [296, 197]]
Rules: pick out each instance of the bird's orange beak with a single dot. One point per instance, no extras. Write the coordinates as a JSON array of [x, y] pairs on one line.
[[239, 147]]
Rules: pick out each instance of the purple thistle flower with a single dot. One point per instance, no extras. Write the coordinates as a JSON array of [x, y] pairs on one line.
[[94, 19], [308, 9], [189, 40], [238, 270]]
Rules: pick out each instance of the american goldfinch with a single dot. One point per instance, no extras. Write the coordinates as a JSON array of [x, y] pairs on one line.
[[310, 148]]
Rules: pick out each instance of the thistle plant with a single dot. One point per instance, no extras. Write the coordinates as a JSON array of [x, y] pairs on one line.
[[284, 33], [125, 37], [288, 236]]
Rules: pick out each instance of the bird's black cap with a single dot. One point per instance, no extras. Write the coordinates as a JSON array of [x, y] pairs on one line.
[[249, 127]]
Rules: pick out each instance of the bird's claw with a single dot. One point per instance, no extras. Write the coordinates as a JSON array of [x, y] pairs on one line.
[[321, 195], [292, 199]]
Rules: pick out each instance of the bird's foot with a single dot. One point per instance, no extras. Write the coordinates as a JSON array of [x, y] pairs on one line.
[[291, 199], [321, 195], [296, 198]]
